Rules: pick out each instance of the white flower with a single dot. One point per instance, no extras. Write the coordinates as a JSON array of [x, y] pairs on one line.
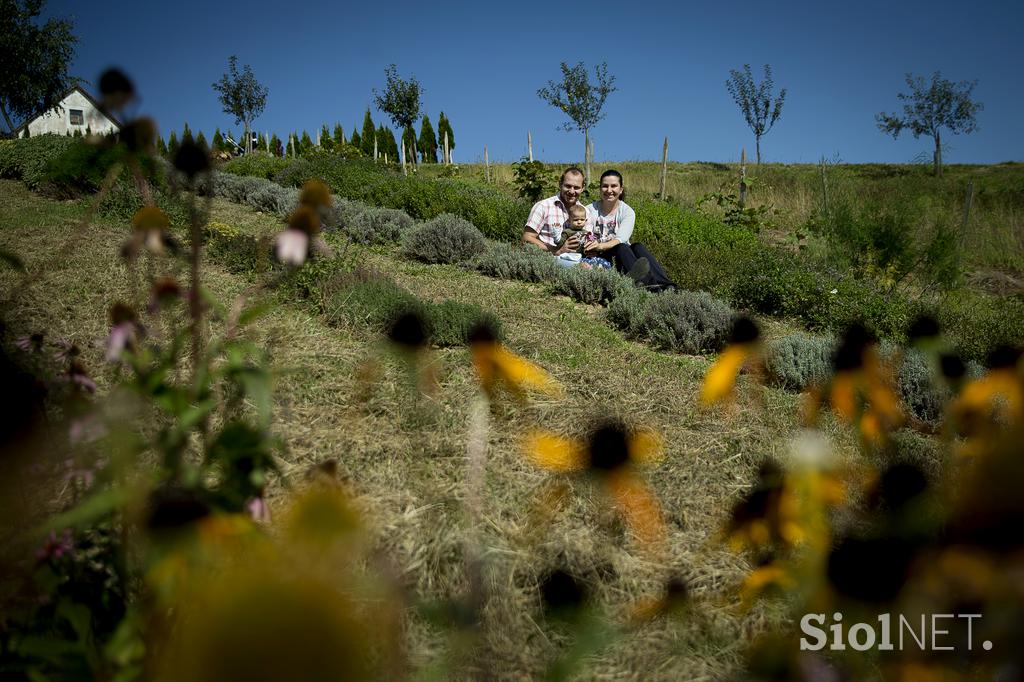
[[834, 291], [292, 247]]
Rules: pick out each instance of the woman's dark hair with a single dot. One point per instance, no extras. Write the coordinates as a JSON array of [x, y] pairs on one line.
[[622, 197]]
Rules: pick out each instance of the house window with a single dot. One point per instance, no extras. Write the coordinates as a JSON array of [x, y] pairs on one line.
[[77, 118]]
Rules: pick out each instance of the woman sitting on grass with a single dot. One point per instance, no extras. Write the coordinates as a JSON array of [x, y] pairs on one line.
[[613, 220]]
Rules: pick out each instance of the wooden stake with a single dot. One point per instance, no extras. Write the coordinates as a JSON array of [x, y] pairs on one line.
[[743, 177], [318, 139], [664, 168], [375, 146], [405, 170], [487, 166], [529, 145], [447, 157]]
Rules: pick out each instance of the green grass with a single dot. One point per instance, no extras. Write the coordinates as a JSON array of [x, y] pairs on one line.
[[407, 473]]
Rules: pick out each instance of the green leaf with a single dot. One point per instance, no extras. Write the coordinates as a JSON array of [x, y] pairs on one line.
[[257, 384], [91, 509]]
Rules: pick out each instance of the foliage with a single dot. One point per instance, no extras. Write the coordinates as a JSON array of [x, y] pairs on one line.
[[596, 286], [532, 180], [374, 303], [240, 253], [445, 239], [36, 60], [755, 101], [241, 96], [976, 323], [377, 225], [445, 126], [368, 136], [753, 218], [450, 322], [690, 322], [257, 164], [400, 99], [919, 389], [577, 98], [798, 361], [931, 107], [427, 142], [410, 144], [516, 261], [386, 144], [627, 310], [26, 159]]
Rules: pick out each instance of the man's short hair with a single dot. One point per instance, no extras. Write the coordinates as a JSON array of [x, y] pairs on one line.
[[571, 170]]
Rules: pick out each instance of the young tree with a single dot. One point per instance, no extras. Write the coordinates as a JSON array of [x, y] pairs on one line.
[[241, 96], [305, 144], [186, 135], [409, 143], [35, 60], [218, 141], [326, 141], [400, 100], [755, 101], [161, 146], [339, 135], [368, 136], [581, 101], [356, 141], [276, 148], [930, 108], [386, 143], [261, 142], [445, 126], [427, 144], [172, 145], [201, 139]]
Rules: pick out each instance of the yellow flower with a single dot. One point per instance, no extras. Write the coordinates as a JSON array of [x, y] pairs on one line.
[[495, 364], [772, 575], [721, 378]]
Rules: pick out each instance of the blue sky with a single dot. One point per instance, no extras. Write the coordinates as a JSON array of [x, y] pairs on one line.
[[482, 63]]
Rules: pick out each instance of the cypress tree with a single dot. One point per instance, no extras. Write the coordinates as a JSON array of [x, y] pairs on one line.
[[161, 146], [305, 144], [201, 140], [368, 136], [218, 141], [186, 135], [355, 141], [339, 135], [445, 126], [261, 142], [172, 144], [409, 143], [428, 142], [326, 141], [276, 148]]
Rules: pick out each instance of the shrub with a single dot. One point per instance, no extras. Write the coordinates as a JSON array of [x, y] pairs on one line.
[[799, 360], [445, 239], [240, 253], [590, 286], [123, 200], [375, 303], [451, 321], [521, 262], [295, 173], [377, 225], [772, 283], [26, 159], [921, 394], [258, 164], [627, 310], [686, 321], [82, 168], [274, 199], [662, 220], [976, 324]]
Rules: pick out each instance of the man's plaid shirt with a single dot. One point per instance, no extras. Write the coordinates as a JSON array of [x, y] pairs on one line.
[[548, 218]]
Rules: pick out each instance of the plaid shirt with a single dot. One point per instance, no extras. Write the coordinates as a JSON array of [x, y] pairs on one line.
[[548, 218]]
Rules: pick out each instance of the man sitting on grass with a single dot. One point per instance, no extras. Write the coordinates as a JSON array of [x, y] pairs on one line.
[[549, 217]]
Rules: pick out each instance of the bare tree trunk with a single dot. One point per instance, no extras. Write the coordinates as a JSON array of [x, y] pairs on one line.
[[487, 166], [405, 170], [758, 139], [529, 145], [248, 139], [743, 177], [586, 157], [938, 155]]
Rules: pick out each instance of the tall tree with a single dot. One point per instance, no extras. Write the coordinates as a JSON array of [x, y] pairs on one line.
[[931, 107], [339, 135], [201, 139], [186, 135], [386, 143], [306, 143], [326, 141], [218, 141], [356, 141], [35, 60], [276, 148], [261, 142], [161, 146], [755, 101], [172, 145], [445, 126], [409, 143], [427, 144], [242, 96], [580, 100], [400, 100], [369, 135]]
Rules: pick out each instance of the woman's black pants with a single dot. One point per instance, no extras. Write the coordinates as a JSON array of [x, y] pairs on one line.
[[626, 255]]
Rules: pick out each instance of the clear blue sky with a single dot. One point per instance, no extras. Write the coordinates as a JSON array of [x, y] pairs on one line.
[[482, 63]]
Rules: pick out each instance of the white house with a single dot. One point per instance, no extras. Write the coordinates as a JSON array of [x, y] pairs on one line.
[[78, 110]]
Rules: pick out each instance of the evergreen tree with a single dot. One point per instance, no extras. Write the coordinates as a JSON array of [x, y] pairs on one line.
[[172, 144], [276, 148], [218, 141], [369, 135], [305, 144], [355, 141], [339, 135], [161, 146], [427, 144], [409, 143], [186, 135], [445, 126], [201, 140], [326, 141], [261, 142]]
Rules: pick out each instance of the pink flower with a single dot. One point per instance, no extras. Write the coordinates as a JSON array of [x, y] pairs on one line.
[[86, 429], [78, 376], [258, 509], [122, 336], [292, 247], [66, 350], [33, 343], [55, 547]]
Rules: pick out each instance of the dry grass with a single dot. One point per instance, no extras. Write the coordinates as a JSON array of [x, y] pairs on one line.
[[405, 455]]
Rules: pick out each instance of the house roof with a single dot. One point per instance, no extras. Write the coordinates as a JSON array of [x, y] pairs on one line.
[[85, 93]]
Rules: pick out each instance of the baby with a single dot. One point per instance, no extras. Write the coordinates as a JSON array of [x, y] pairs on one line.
[[577, 226]]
